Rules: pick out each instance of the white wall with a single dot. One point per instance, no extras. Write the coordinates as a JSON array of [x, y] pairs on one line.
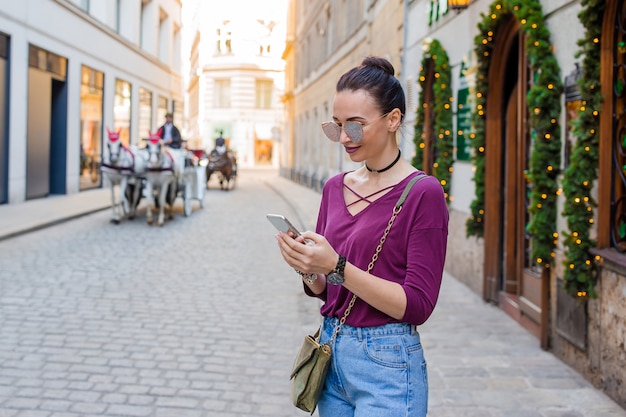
[[65, 30]]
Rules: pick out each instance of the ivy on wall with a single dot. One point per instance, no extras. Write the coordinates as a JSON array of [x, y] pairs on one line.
[[544, 108], [441, 116], [579, 276]]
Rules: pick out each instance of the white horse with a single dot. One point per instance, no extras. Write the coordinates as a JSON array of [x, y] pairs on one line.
[[123, 166], [164, 171]]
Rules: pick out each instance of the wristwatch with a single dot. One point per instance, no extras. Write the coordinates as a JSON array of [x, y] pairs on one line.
[[335, 276]]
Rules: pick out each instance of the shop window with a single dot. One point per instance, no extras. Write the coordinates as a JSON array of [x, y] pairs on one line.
[[91, 101], [122, 109], [145, 112]]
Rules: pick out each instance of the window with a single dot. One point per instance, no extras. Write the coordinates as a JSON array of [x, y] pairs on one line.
[[121, 110], [118, 17], [145, 112], [264, 94], [47, 61], [177, 110], [176, 51], [222, 94], [618, 175], [91, 99], [224, 39], [144, 31], [162, 110], [163, 37]]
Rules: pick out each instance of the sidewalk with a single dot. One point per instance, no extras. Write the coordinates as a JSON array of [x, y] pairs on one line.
[[480, 361], [31, 215], [19, 218]]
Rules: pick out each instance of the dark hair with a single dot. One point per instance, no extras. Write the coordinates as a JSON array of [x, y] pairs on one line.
[[376, 76]]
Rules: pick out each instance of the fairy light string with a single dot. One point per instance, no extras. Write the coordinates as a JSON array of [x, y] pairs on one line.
[[544, 107], [441, 116], [580, 275]]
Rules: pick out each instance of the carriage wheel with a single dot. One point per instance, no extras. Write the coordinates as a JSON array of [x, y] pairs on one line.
[[187, 200]]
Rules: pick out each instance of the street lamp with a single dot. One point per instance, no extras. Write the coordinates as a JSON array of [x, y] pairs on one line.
[[458, 5]]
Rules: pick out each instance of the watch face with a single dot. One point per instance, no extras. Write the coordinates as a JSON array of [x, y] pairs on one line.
[[334, 278]]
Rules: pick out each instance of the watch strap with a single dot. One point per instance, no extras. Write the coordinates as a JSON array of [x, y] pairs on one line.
[[341, 265]]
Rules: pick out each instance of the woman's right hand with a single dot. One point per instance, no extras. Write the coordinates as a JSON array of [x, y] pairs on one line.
[[310, 252]]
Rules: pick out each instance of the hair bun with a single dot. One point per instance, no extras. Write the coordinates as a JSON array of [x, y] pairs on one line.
[[379, 63]]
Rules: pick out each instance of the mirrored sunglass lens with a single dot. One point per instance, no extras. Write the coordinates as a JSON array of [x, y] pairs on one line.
[[332, 131], [354, 130]]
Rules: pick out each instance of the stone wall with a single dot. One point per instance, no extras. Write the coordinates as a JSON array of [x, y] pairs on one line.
[[464, 258], [612, 337], [603, 360]]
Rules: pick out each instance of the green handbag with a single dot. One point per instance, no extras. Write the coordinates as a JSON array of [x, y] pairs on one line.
[[309, 373], [311, 365]]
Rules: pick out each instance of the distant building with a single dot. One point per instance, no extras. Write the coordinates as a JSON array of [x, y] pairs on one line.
[[236, 77], [71, 69]]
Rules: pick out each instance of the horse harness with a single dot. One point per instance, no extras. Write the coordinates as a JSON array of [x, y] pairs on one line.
[[121, 169], [160, 168]]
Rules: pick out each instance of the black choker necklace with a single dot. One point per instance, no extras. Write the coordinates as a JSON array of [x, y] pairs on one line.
[[378, 171]]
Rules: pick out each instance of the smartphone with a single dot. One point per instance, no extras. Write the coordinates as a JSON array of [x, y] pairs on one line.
[[282, 224]]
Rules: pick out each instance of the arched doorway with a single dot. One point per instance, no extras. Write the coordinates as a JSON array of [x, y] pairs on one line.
[[512, 280]]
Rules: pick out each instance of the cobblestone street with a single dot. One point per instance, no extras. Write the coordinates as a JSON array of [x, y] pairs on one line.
[[197, 318]]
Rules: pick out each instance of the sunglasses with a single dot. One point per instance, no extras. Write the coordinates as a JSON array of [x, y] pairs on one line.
[[353, 129]]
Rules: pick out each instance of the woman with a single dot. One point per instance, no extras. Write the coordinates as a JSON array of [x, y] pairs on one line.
[[378, 367]]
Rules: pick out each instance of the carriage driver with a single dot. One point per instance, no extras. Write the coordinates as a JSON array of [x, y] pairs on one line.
[[221, 151], [170, 133], [220, 146]]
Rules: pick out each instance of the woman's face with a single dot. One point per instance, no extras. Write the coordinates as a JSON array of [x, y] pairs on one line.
[[359, 106]]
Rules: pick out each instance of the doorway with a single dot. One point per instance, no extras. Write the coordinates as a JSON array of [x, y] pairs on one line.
[[4, 113], [46, 169], [512, 279]]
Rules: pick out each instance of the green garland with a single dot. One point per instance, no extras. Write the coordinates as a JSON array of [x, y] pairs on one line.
[[579, 276], [442, 110], [544, 107]]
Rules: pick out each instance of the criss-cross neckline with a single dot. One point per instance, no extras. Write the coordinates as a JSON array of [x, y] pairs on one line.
[[367, 197]]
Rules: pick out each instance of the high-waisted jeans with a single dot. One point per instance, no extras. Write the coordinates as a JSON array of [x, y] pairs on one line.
[[375, 372]]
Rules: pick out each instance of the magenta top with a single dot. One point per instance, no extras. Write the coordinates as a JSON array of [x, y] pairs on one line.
[[413, 254]]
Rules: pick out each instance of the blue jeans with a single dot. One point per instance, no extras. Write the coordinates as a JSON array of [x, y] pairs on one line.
[[375, 372]]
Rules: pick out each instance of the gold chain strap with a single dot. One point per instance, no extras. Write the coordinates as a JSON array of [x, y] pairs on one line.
[[396, 210]]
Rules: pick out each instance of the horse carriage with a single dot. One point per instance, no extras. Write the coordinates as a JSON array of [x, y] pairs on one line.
[[224, 165], [156, 172]]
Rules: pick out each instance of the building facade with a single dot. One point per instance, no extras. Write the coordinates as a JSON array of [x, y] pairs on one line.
[[517, 107], [325, 39], [69, 71], [236, 77]]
